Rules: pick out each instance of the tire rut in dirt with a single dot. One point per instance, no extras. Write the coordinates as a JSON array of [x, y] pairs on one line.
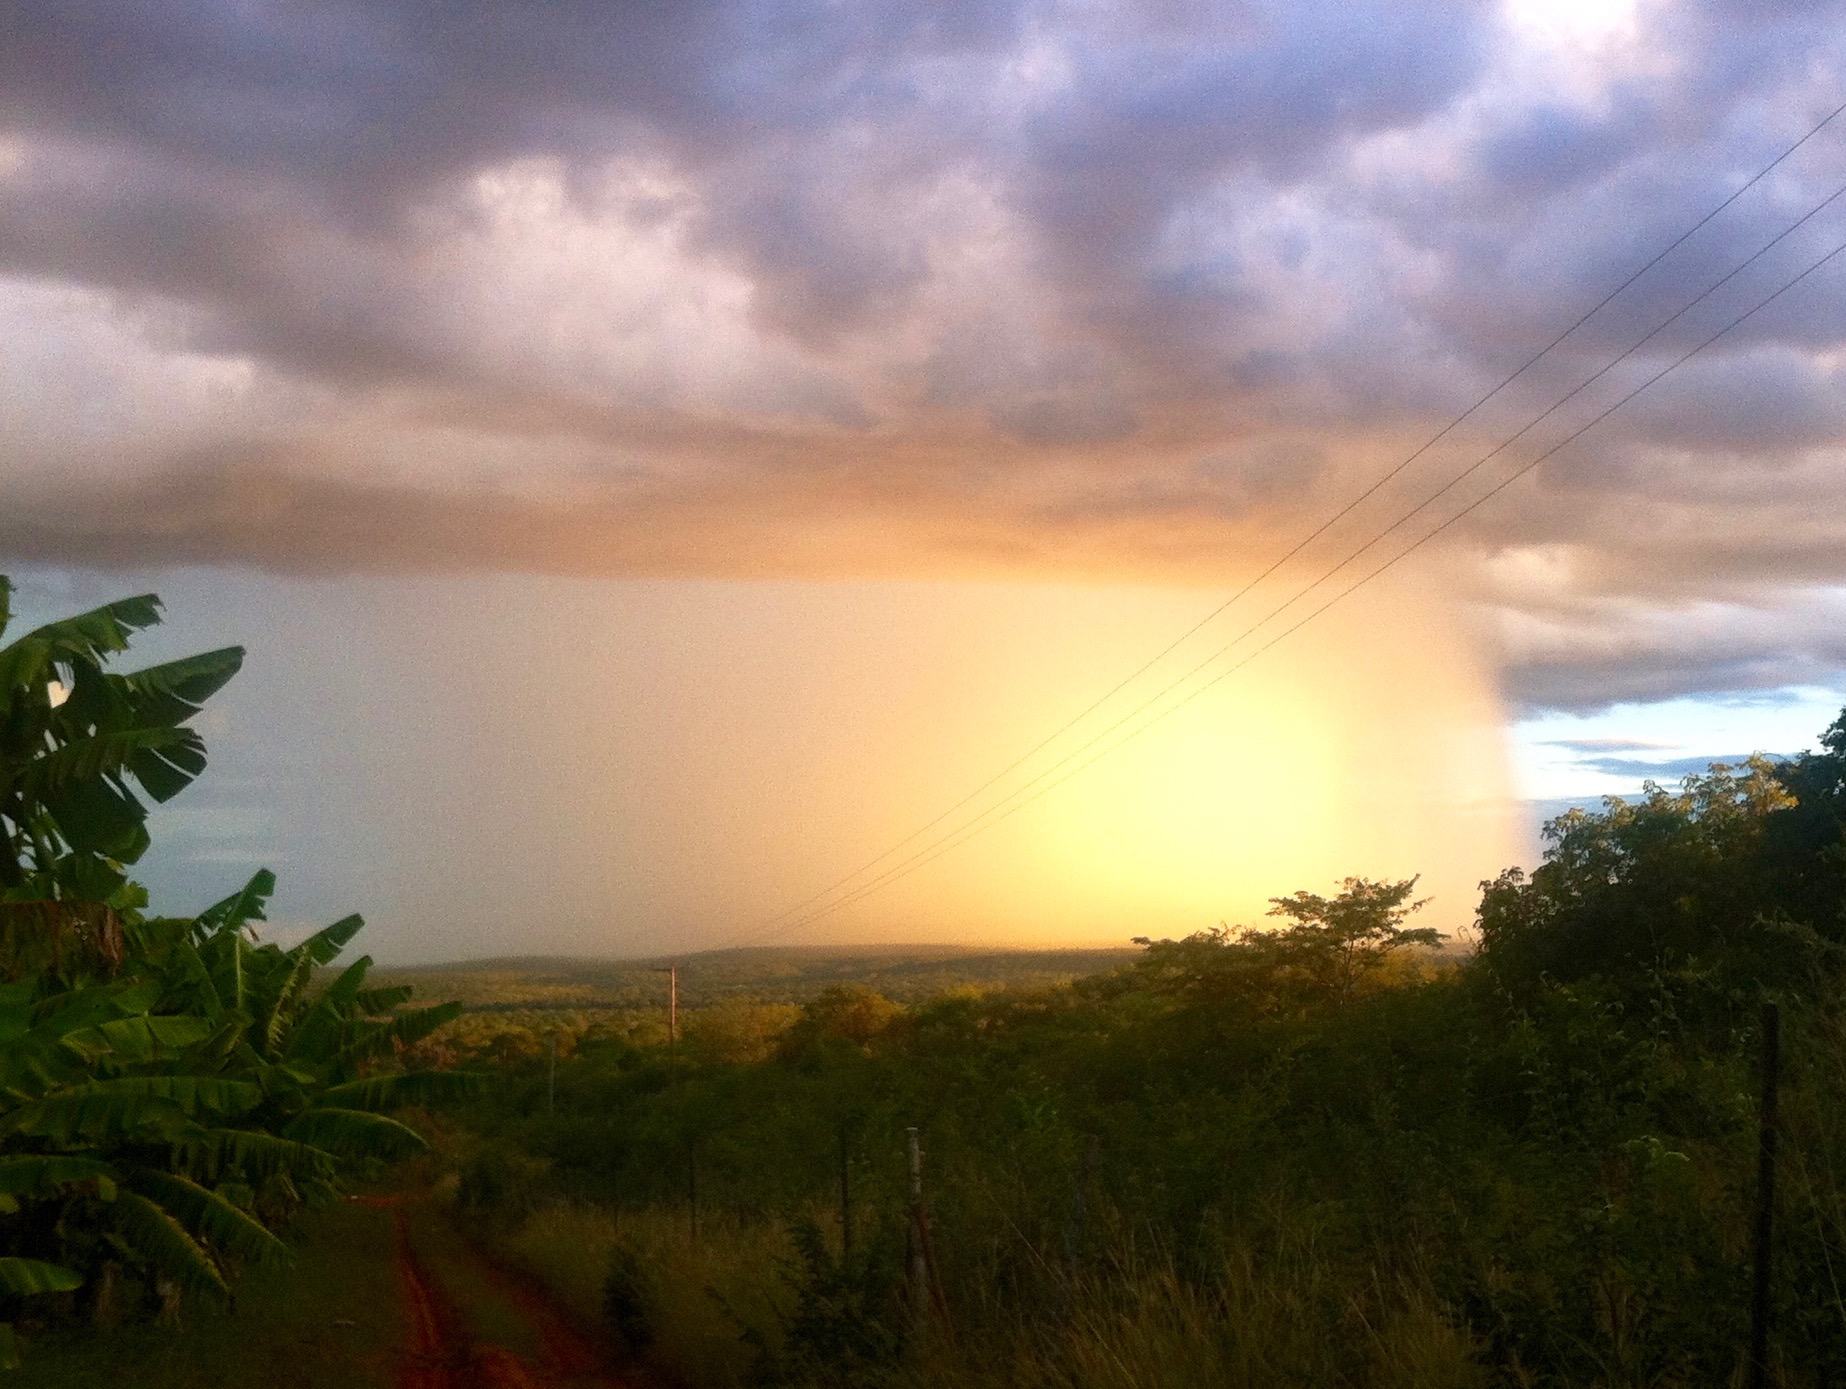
[[439, 1353]]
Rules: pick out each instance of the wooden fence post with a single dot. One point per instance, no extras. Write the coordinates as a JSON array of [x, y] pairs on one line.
[[1760, 1300], [926, 1289], [551, 1076], [919, 1265]]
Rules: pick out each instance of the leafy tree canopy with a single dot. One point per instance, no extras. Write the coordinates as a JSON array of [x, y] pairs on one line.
[[1729, 869], [1332, 948]]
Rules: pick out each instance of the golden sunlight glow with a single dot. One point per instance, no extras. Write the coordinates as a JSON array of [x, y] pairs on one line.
[[1180, 823], [1370, 744], [709, 753]]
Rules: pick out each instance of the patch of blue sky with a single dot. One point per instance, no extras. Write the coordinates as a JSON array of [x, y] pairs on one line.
[[1564, 758]]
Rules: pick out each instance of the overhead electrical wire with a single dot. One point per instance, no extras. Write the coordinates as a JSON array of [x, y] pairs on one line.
[[997, 813], [800, 909], [1013, 802], [1320, 529]]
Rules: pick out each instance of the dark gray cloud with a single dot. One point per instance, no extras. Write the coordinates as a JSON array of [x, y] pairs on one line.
[[741, 287], [1586, 655], [188, 150]]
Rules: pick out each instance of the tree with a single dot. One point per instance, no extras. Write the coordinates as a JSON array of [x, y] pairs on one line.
[[1805, 844], [1649, 884], [1337, 942], [1334, 946], [853, 1013], [117, 1140], [80, 746]]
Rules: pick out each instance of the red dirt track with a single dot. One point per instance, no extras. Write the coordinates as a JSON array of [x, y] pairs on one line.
[[441, 1352]]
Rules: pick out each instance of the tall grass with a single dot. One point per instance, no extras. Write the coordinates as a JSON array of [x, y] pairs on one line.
[[703, 1297], [1259, 1318], [1245, 1328]]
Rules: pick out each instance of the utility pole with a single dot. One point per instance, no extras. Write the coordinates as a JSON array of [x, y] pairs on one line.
[[692, 1146], [672, 973]]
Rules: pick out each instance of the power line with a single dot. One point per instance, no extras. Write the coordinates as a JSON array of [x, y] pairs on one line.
[[927, 853], [1531, 424], [1323, 527], [1002, 810], [976, 827], [1332, 520]]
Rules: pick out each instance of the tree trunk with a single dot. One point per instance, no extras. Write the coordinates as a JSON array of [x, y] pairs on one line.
[[106, 1309], [169, 1294]]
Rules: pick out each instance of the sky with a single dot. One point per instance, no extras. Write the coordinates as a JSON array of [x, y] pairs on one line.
[[659, 457]]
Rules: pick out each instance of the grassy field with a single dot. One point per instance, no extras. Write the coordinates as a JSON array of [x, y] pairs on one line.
[[707, 1295]]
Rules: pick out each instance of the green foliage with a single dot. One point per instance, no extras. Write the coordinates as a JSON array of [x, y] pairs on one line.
[[80, 746], [1244, 1157], [850, 1013], [29, 1276], [143, 1132], [168, 1087], [1675, 877], [1335, 948], [1337, 942], [501, 1178], [848, 1323], [626, 1293], [330, 1319], [1293, 1155], [770, 975]]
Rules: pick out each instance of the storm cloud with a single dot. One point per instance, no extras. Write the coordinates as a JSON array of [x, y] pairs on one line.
[[748, 289]]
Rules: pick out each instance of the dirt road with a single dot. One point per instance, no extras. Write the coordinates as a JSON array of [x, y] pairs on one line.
[[470, 1323]]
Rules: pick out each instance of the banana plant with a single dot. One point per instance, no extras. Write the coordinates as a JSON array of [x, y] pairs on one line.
[[165, 1084], [155, 1108], [81, 746], [104, 1111], [28, 1278], [320, 1055]]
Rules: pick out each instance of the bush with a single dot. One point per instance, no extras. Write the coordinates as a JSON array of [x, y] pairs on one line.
[[626, 1299], [848, 1321], [498, 1179]]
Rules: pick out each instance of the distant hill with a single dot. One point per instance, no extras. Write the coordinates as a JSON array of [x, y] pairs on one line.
[[906, 973]]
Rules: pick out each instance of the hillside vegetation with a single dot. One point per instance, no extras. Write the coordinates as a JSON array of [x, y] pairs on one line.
[[733, 1002], [1316, 1153], [1321, 1151]]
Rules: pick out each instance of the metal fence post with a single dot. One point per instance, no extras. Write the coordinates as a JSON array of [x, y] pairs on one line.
[[1761, 1303]]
